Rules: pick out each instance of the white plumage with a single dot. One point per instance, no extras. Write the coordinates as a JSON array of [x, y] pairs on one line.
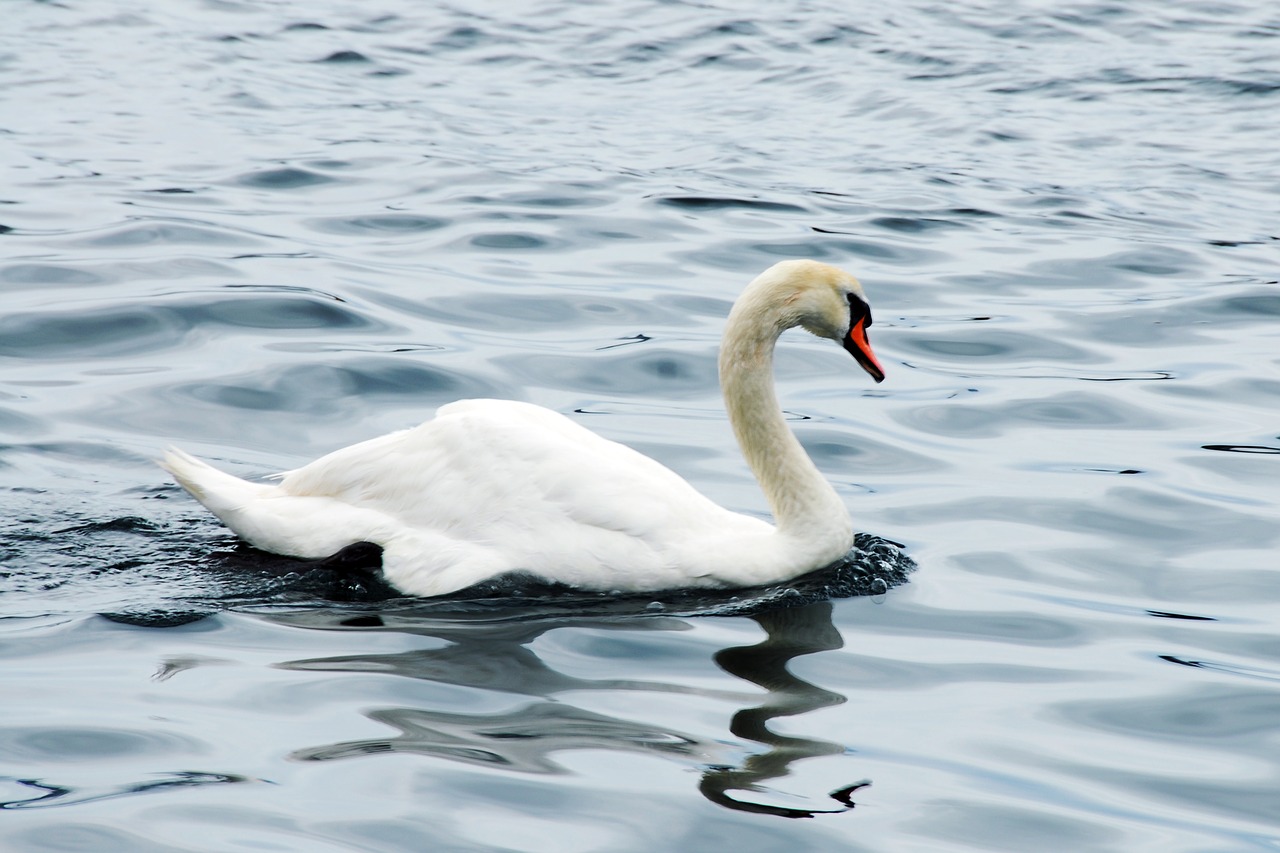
[[492, 486]]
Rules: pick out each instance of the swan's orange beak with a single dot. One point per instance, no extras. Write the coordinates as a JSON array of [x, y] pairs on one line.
[[860, 348]]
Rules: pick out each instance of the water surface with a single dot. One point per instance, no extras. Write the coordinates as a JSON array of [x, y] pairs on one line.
[[266, 231]]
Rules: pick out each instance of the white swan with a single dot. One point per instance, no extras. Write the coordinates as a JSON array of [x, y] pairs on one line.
[[493, 486]]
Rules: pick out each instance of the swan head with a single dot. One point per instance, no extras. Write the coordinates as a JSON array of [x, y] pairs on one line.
[[824, 300]]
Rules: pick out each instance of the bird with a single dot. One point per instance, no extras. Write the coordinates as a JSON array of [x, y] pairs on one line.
[[491, 487]]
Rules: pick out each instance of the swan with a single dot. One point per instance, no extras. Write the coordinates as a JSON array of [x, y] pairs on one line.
[[488, 487]]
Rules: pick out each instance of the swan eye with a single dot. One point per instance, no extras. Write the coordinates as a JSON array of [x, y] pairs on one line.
[[858, 310]]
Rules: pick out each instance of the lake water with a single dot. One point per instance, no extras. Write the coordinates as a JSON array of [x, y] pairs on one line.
[[262, 231]]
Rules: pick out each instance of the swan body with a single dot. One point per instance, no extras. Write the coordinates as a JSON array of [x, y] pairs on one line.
[[494, 486]]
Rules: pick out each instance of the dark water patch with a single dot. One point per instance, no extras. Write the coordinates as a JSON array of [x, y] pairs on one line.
[[918, 59], [159, 233], [864, 670], [913, 225], [6, 229], [1164, 614], [640, 53], [466, 38], [57, 744], [1014, 628], [802, 249], [17, 423], [1232, 244], [73, 451], [113, 331], [1075, 214], [264, 255], [387, 223], [569, 195], [1070, 410], [344, 57], [1150, 264], [1251, 672], [280, 313], [756, 255], [351, 346], [35, 273], [1021, 828], [1094, 605], [1191, 83], [842, 456], [124, 329], [740, 27], [126, 524], [689, 202], [987, 344], [1181, 320], [510, 240], [499, 311], [1254, 305], [877, 251], [304, 26], [1049, 199], [1040, 371], [736, 58], [1117, 270], [319, 389], [1242, 448], [1001, 136], [334, 163], [1131, 514], [840, 34], [699, 306], [265, 312], [283, 178], [1210, 713], [624, 372]]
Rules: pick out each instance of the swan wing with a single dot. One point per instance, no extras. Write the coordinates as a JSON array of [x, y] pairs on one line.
[[502, 472]]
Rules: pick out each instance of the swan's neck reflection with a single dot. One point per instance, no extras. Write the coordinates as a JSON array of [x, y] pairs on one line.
[[790, 633], [495, 655]]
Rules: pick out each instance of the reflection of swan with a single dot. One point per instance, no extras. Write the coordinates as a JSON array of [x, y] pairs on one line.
[[492, 486], [795, 632], [523, 739], [488, 655], [495, 656]]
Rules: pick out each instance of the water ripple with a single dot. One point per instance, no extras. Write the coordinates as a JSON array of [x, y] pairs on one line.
[[147, 327], [263, 231], [283, 178]]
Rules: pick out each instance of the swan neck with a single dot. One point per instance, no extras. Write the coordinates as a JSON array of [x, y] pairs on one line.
[[804, 504]]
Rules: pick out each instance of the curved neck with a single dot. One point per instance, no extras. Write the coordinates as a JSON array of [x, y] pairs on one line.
[[804, 504]]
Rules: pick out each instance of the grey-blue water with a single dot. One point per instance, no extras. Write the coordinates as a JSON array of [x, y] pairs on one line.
[[262, 231]]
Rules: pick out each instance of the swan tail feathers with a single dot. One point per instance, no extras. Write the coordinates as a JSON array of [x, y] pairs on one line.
[[220, 492]]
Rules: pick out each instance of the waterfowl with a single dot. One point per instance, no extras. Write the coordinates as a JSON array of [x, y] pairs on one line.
[[488, 487]]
